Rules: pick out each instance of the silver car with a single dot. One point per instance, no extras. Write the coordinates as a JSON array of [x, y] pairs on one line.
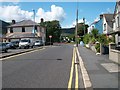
[[3, 47]]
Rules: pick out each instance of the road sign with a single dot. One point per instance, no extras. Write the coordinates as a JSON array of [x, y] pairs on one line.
[[50, 36]]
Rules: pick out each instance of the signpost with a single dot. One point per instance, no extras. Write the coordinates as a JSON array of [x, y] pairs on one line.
[[50, 36]]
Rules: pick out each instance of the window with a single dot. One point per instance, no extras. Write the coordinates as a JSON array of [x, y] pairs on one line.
[[11, 30], [23, 29], [118, 22], [105, 27], [118, 38]]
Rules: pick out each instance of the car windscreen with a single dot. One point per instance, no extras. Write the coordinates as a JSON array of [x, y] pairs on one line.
[[24, 41]]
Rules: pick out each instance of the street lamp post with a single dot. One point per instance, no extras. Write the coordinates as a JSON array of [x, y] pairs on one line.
[[34, 20]]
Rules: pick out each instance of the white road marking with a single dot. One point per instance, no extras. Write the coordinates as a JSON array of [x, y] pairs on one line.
[[20, 54]]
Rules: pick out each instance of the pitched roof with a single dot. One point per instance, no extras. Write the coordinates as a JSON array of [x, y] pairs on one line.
[[109, 18], [20, 35], [24, 23]]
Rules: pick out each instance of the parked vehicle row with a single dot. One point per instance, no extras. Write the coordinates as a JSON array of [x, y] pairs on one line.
[[13, 45], [22, 44], [3, 47]]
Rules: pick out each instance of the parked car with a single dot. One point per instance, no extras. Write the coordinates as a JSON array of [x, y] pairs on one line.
[[3, 47], [26, 43], [38, 43], [13, 45], [6, 43]]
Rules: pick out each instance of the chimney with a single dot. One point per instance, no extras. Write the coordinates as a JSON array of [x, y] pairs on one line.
[[101, 16], [42, 20], [13, 21]]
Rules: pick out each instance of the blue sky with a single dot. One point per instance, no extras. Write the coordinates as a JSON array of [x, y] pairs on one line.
[[67, 17]]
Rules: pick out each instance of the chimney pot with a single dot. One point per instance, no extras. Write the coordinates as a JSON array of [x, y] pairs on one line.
[[42, 20], [13, 22]]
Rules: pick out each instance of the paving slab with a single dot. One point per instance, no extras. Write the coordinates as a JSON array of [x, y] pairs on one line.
[[103, 72]]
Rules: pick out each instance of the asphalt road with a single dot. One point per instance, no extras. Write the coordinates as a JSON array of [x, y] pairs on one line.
[[48, 68]]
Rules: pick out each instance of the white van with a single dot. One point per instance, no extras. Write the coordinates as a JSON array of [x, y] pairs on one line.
[[26, 43]]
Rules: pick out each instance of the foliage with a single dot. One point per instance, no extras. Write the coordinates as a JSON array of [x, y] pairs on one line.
[[92, 37], [94, 33], [112, 38], [71, 36], [93, 40], [52, 28], [97, 46], [81, 28], [103, 39], [86, 38]]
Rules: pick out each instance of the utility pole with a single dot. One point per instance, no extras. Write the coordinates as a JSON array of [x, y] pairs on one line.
[[76, 27], [84, 25]]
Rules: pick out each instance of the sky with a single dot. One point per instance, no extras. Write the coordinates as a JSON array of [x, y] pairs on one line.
[[65, 12]]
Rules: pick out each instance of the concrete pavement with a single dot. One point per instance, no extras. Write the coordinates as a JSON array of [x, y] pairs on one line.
[[103, 73]]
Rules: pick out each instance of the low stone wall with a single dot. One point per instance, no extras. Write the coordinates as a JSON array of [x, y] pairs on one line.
[[114, 55]]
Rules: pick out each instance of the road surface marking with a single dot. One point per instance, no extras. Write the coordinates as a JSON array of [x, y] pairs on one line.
[[76, 72], [85, 76], [20, 54], [71, 72]]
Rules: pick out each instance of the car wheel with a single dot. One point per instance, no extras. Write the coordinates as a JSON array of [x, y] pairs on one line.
[[28, 47], [6, 50]]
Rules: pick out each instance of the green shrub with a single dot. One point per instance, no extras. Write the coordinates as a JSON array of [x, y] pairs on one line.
[[97, 46], [86, 39]]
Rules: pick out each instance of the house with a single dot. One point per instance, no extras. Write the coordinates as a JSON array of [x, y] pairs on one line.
[[104, 25], [96, 25], [107, 23], [3, 29], [114, 49], [25, 29], [116, 23]]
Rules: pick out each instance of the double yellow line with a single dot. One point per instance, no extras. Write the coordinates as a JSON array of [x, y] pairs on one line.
[[72, 71]]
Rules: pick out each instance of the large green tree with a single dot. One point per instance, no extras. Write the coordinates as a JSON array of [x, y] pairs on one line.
[[81, 28], [52, 28]]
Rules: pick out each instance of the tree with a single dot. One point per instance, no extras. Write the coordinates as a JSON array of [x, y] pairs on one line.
[[95, 33], [81, 29], [52, 28]]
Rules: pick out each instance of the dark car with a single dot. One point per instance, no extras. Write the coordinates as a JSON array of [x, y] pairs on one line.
[[13, 45], [3, 47]]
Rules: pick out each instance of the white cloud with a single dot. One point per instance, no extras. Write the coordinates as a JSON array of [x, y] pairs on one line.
[[56, 13], [8, 13]]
